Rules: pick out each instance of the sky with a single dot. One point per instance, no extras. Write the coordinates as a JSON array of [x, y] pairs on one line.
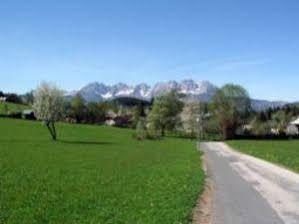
[[74, 42]]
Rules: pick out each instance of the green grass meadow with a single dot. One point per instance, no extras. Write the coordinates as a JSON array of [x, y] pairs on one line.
[[282, 152], [95, 174], [12, 108]]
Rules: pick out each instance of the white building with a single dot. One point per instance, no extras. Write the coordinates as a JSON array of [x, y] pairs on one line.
[[293, 128], [2, 99], [295, 122]]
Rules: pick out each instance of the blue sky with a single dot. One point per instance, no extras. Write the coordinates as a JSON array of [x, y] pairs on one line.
[[253, 43]]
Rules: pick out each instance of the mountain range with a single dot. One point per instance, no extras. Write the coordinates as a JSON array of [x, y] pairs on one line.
[[194, 91]]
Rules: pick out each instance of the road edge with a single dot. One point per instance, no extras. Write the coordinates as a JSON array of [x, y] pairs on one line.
[[202, 213]]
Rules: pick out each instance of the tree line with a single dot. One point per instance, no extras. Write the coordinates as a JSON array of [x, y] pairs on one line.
[[227, 116], [230, 104]]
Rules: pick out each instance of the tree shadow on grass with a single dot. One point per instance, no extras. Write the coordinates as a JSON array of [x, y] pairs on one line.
[[85, 142]]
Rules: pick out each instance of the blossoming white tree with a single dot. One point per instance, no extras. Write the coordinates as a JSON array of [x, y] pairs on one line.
[[189, 116], [48, 105]]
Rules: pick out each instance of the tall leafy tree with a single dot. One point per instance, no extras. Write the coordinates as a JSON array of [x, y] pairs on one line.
[[78, 108], [165, 112], [231, 104], [13, 98], [190, 115], [138, 113], [28, 98], [281, 120], [95, 112]]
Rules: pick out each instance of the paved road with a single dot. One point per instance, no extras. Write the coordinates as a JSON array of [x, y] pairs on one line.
[[248, 190]]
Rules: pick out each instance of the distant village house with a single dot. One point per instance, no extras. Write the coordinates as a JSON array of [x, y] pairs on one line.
[[2, 99], [293, 128]]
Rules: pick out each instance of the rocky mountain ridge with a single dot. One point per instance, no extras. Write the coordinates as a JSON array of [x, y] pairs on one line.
[[195, 91]]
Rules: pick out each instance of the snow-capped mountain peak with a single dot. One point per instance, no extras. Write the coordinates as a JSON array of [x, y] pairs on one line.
[[98, 91], [142, 90], [193, 91]]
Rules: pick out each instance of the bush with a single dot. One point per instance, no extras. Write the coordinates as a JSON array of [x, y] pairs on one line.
[[13, 98], [164, 115], [261, 128], [153, 132], [17, 115], [141, 133]]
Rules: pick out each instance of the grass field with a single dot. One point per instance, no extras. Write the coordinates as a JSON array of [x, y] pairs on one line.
[[94, 175], [12, 108], [284, 152]]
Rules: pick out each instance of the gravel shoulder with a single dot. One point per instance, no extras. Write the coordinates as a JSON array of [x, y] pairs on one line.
[[250, 190]]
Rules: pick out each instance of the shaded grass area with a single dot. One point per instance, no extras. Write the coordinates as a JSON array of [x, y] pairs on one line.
[[94, 175], [282, 152]]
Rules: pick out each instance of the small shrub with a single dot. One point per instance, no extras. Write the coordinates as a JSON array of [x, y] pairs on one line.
[[141, 133], [153, 132], [260, 128]]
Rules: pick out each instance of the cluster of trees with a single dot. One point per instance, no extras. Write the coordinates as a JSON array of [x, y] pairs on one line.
[[231, 106], [229, 111], [127, 113], [273, 122], [228, 115], [164, 115], [50, 106], [81, 112], [291, 109], [27, 98], [11, 97]]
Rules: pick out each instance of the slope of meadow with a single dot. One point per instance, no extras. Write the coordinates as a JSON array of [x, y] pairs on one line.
[[94, 175]]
